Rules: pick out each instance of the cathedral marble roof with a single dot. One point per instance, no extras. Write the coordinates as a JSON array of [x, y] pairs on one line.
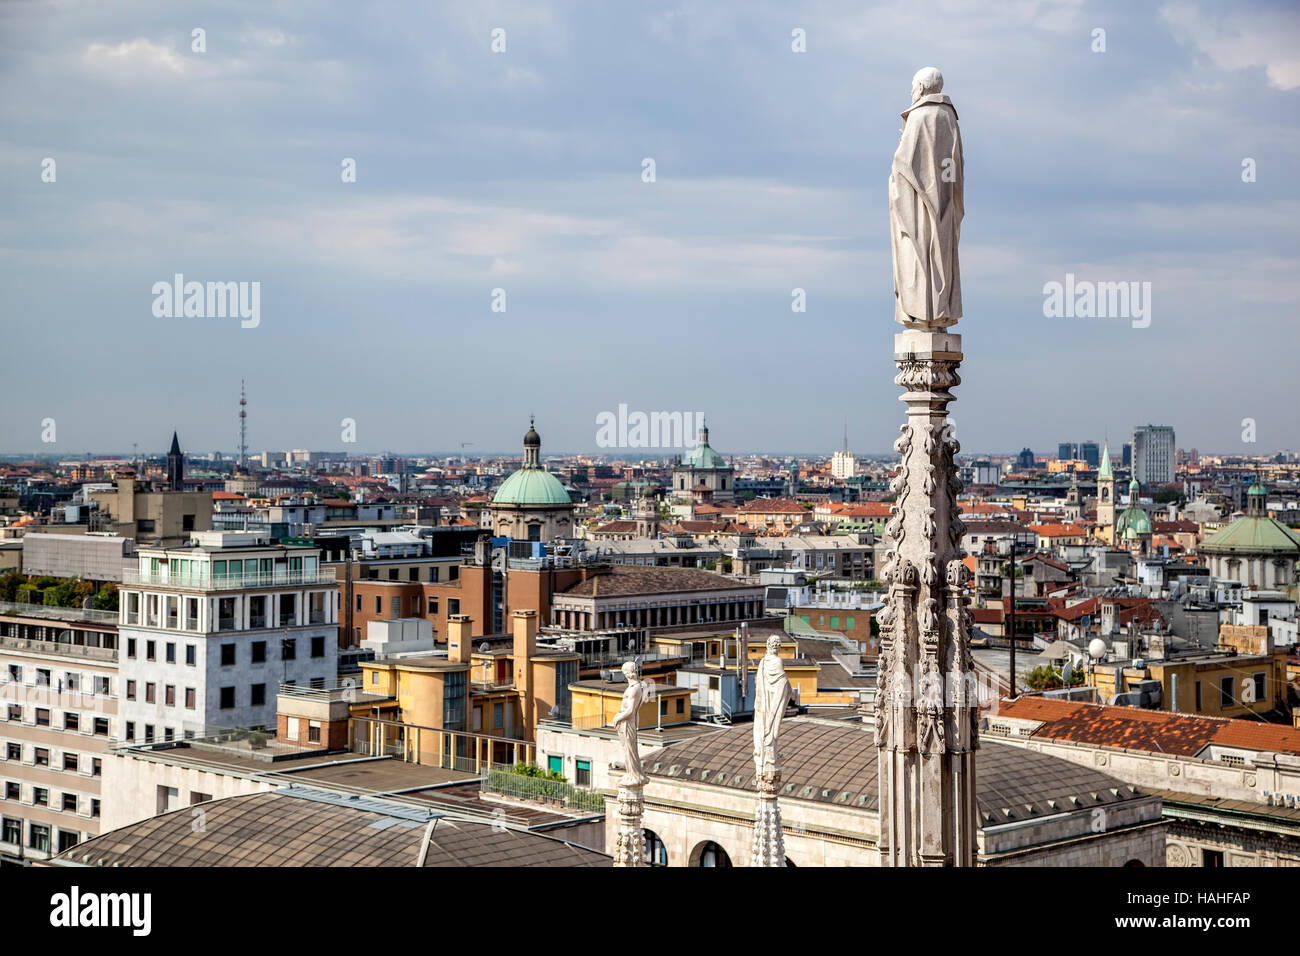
[[834, 762]]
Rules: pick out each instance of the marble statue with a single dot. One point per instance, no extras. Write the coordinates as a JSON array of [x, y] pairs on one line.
[[926, 206], [771, 695], [626, 720]]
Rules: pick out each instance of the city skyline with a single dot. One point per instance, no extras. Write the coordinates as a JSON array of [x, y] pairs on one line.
[[525, 173]]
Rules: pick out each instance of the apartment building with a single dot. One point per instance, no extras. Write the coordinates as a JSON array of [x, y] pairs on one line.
[[208, 632], [59, 684]]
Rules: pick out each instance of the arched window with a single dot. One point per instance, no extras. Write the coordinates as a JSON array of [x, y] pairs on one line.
[[710, 854], [656, 854]]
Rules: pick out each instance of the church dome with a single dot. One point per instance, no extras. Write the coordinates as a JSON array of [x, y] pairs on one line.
[[531, 438], [531, 486], [703, 455], [1134, 521]]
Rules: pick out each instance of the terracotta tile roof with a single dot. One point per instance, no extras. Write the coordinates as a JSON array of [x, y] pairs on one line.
[[1157, 731], [625, 579], [616, 527], [772, 506], [1057, 530], [1175, 527]]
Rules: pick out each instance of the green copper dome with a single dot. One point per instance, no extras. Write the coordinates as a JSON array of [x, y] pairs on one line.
[[703, 455], [1134, 521], [531, 486], [1255, 534]]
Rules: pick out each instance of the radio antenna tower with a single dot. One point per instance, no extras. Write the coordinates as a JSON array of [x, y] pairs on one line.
[[243, 426]]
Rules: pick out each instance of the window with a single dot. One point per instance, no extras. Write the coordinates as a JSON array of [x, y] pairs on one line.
[[94, 807], [379, 604], [168, 733], [70, 763], [130, 647], [453, 574], [40, 797], [433, 605], [150, 650], [69, 803], [259, 652], [1259, 686], [42, 717], [395, 607], [197, 797], [191, 654], [42, 757], [227, 655], [102, 686], [96, 767], [72, 722], [130, 690], [13, 791], [258, 695], [130, 730], [169, 696], [38, 838], [148, 733], [453, 605], [1212, 858], [453, 700], [150, 693], [681, 705], [1225, 693], [12, 831], [318, 647], [663, 706], [555, 764], [433, 575], [1198, 696], [582, 773], [313, 731], [170, 652], [15, 711], [13, 751], [227, 698], [289, 649], [72, 680], [101, 726], [358, 602], [189, 698], [498, 715], [848, 623], [16, 673]]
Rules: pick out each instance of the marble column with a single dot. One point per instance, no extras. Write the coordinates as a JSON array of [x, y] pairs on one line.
[[629, 845], [769, 840], [926, 706]]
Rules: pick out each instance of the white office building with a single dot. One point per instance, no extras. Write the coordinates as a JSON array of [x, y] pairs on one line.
[[208, 632], [1153, 454]]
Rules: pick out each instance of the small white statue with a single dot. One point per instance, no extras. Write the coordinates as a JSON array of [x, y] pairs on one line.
[[772, 693], [926, 205], [626, 721]]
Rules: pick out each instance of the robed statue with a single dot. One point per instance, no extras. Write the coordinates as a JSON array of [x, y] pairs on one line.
[[771, 695], [926, 208], [626, 722]]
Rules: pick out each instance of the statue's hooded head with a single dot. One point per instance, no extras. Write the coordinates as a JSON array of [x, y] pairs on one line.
[[630, 670], [926, 81], [774, 645]]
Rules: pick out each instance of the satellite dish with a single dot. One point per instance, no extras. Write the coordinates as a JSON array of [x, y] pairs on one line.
[[1067, 673]]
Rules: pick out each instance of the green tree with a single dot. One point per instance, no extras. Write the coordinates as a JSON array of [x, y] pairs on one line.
[[106, 598]]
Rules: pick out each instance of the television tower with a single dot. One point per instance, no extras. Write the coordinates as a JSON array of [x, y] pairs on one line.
[[243, 426]]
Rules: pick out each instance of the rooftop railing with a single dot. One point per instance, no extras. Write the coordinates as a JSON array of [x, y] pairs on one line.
[[59, 648], [51, 613], [277, 579]]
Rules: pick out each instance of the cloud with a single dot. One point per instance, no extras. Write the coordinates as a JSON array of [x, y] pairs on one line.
[[141, 57], [1243, 39]]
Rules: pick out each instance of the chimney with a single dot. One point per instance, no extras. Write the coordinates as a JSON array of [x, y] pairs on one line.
[[460, 643], [524, 649]]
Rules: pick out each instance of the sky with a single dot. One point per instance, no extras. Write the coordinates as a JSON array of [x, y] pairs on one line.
[[522, 170]]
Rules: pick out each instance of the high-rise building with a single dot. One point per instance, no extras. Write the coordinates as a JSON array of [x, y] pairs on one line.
[[208, 632], [1089, 452], [1067, 451], [1126, 455], [843, 465], [1025, 459], [1153, 454]]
